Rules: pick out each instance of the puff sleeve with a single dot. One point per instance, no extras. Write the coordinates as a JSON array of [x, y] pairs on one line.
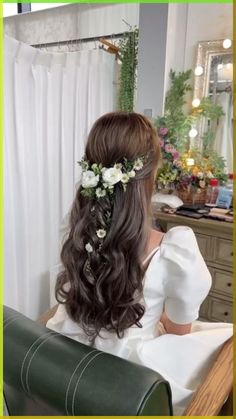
[[187, 279]]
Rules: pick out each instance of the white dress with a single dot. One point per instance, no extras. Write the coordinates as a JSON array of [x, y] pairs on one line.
[[178, 280]]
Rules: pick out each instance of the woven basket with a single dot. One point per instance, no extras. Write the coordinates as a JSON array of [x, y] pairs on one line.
[[191, 198]]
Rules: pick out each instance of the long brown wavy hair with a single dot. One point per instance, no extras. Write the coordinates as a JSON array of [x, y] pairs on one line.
[[108, 295]]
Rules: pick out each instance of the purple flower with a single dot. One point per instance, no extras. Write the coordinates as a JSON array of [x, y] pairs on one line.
[[161, 143], [163, 131], [175, 154]]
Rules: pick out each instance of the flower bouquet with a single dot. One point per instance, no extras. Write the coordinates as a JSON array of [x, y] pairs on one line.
[[168, 175], [194, 179]]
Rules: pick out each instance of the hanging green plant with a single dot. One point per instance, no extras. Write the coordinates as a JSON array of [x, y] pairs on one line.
[[128, 73]]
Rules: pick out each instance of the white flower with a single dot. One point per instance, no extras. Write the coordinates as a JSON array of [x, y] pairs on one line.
[[131, 173], [94, 166], [100, 192], [138, 164], [209, 174], [101, 233], [88, 247], [118, 166], [200, 175], [89, 179], [125, 178], [112, 176]]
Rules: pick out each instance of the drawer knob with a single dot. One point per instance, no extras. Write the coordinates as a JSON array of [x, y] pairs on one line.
[[229, 284], [226, 313]]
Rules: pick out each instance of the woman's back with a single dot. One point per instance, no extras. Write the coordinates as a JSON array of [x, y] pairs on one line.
[[176, 280], [109, 297], [110, 225]]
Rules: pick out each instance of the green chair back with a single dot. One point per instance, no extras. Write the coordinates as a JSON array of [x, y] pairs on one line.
[[47, 374]]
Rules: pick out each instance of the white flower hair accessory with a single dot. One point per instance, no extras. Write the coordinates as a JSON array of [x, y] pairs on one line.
[[98, 181], [89, 179], [88, 247], [101, 233]]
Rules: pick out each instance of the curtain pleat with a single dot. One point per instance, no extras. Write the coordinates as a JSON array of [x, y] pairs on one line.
[[50, 101]]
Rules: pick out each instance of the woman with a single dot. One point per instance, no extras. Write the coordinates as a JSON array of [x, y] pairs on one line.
[[120, 277]]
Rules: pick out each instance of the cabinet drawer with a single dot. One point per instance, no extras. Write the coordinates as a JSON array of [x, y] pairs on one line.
[[205, 245], [222, 282], [220, 310], [223, 251]]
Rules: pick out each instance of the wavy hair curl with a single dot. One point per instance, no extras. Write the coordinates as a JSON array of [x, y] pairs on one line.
[[108, 294]]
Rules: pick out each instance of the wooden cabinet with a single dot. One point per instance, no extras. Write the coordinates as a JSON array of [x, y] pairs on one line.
[[215, 240]]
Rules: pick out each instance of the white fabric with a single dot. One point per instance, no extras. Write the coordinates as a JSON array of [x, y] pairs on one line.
[[50, 103], [177, 279]]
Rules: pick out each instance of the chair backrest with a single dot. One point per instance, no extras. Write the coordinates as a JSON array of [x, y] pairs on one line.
[[48, 374]]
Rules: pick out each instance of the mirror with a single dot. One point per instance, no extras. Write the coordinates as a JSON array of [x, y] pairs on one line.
[[214, 78]]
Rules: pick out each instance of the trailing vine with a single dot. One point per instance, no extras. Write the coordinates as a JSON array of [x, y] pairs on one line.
[[128, 74]]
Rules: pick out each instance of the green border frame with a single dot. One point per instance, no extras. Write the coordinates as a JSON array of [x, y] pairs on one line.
[[123, 1], [2, 162]]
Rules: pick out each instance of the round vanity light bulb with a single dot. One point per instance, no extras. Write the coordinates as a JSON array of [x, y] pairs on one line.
[[220, 66], [229, 65], [198, 70], [227, 43], [193, 133], [196, 102], [190, 162]]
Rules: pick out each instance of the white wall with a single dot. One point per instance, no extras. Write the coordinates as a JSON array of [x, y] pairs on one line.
[[72, 21], [151, 58], [206, 22], [189, 24], [176, 39]]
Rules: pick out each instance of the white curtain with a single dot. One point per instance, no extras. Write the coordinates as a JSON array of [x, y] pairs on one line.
[[50, 102]]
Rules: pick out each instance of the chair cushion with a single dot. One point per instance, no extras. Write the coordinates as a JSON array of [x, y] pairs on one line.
[[46, 373]]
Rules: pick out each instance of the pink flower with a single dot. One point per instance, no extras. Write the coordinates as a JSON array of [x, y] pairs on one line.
[[161, 143], [169, 148], [163, 131], [175, 154]]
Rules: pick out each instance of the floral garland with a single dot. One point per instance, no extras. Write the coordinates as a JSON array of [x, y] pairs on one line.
[[99, 182]]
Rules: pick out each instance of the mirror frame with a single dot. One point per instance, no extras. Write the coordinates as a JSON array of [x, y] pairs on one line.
[[206, 49]]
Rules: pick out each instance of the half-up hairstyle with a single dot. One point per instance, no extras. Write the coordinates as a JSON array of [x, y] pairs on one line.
[[102, 289]]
